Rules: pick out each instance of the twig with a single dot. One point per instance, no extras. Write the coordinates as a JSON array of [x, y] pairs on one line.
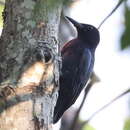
[[119, 3], [105, 106]]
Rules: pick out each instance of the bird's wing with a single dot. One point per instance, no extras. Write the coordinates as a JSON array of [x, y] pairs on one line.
[[82, 75], [75, 76]]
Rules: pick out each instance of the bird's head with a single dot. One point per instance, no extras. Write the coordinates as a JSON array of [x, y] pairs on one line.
[[86, 32]]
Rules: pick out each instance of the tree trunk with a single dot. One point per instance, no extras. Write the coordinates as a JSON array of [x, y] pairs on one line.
[[29, 64]]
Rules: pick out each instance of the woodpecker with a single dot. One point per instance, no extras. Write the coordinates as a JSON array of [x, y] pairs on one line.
[[77, 65]]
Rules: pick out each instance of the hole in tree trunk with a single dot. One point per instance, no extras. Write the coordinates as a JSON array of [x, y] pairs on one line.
[[44, 56]]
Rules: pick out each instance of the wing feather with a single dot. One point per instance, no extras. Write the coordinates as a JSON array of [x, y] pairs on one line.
[[83, 73]]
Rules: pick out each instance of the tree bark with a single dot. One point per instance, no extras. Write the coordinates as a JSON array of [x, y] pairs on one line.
[[29, 64]]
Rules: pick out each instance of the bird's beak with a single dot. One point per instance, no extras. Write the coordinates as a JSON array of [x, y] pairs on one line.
[[76, 24]]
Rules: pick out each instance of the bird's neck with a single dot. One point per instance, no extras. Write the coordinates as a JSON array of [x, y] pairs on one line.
[[86, 44]]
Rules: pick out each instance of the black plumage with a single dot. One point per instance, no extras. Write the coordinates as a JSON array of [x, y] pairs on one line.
[[77, 66]]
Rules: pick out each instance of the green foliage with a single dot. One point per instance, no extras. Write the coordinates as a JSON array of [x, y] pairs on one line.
[[1, 19], [68, 2], [125, 39], [127, 124], [88, 127]]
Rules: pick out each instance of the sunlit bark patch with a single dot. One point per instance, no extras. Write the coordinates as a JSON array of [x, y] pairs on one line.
[[36, 74]]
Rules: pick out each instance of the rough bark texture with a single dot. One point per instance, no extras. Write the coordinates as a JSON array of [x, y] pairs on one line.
[[29, 64]]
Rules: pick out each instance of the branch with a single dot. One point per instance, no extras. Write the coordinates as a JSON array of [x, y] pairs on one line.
[[94, 79], [105, 106]]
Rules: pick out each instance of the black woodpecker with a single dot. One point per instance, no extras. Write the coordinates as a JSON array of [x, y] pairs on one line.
[[77, 65]]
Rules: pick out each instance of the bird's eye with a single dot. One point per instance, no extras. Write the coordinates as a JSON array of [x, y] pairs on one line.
[[90, 27]]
